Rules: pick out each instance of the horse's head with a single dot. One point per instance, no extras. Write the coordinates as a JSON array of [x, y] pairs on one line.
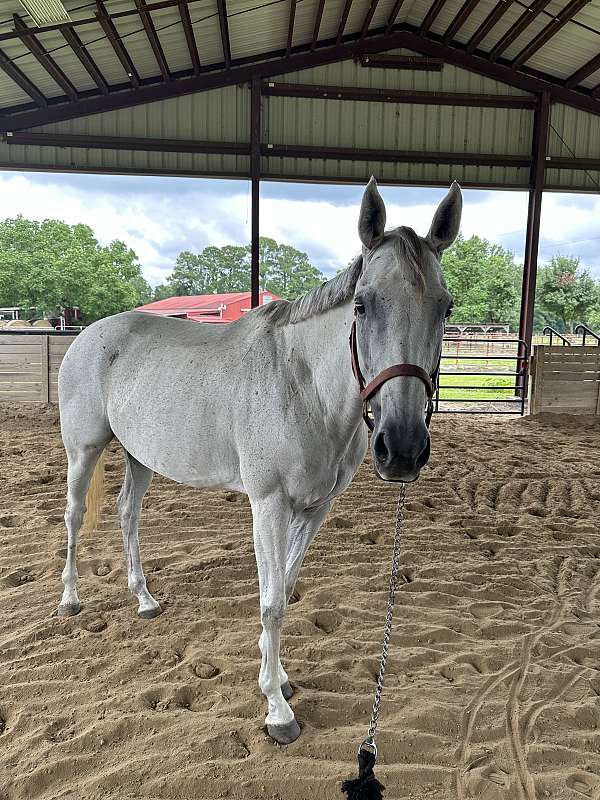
[[401, 302]]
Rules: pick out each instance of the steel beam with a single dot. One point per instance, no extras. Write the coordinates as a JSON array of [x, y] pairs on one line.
[[368, 17], [488, 23], [111, 33], [305, 58], [153, 39], [186, 21], [88, 63], [255, 130], [544, 36], [532, 237], [393, 15], [411, 63], [41, 55], [317, 25], [146, 144], [224, 26], [583, 72], [343, 21], [22, 81], [276, 89], [518, 27], [291, 20], [459, 20], [392, 156], [431, 16]]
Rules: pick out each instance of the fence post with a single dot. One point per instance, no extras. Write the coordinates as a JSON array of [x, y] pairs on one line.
[[45, 369]]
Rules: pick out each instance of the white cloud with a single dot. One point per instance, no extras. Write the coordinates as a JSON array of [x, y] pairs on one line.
[[159, 217]]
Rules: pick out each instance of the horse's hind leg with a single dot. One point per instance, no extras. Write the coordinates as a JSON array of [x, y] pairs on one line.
[[271, 519], [137, 480], [81, 462]]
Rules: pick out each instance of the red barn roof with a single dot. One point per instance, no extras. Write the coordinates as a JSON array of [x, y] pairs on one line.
[[207, 307]]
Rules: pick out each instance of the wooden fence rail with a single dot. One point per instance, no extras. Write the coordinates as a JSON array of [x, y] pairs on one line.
[[29, 365], [565, 380]]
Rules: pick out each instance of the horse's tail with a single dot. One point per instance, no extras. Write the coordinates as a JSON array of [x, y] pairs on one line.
[[95, 497]]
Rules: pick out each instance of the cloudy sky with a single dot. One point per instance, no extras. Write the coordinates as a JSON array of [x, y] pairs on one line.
[[158, 217]]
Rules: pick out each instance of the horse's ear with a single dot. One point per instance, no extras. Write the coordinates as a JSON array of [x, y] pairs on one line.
[[371, 222], [446, 221]]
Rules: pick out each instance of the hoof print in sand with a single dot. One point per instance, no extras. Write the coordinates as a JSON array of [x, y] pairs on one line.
[[584, 785], [204, 670], [327, 621]]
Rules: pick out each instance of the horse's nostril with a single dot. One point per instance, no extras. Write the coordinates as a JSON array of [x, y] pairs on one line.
[[380, 448]]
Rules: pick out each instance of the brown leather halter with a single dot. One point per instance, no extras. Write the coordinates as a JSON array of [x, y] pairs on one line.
[[396, 371]]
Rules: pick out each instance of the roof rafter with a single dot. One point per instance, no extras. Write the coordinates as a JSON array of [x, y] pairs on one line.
[[517, 29], [488, 23], [431, 15], [22, 81], [343, 21], [317, 26], [88, 63], [111, 33], [583, 72], [186, 21], [368, 17], [39, 52], [544, 36], [291, 20], [277, 63], [393, 15], [155, 44], [224, 26], [459, 20]]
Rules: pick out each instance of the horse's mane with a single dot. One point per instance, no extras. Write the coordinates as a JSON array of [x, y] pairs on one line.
[[340, 289]]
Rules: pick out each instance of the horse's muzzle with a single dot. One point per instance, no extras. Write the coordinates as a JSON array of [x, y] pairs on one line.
[[400, 457]]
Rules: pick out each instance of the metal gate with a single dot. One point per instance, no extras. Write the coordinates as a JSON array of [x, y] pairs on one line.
[[511, 384]]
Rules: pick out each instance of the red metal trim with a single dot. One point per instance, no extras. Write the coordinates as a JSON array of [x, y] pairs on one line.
[[544, 36], [111, 33], [277, 89], [153, 39], [186, 21], [41, 55], [88, 63]]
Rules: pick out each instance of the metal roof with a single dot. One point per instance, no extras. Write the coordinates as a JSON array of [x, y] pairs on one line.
[[162, 88]]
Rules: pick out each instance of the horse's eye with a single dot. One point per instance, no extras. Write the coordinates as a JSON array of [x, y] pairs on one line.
[[449, 311], [359, 309]]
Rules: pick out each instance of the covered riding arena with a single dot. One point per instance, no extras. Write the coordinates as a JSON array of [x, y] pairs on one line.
[[494, 674]]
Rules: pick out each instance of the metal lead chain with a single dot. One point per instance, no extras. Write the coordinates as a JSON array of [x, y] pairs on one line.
[[387, 629]]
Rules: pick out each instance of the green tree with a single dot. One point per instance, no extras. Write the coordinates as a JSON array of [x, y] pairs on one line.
[[47, 264], [284, 270], [484, 281], [566, 294]]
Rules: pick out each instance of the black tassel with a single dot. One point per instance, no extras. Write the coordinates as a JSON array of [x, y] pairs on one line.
[[366, 786]]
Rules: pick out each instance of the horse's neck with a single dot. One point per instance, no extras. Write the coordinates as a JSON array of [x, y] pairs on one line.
[[323, 341]]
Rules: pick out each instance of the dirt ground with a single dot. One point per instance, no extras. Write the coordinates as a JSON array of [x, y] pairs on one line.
[[494, 674]]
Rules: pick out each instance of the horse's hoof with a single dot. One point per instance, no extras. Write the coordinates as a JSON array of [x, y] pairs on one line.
[[68, 609], [284, 734], [150, 613], [287, 691]]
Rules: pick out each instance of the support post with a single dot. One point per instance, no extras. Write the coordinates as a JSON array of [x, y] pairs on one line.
[[255, 97], [532, 236]]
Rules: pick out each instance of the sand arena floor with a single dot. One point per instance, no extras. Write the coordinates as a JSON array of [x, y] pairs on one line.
[[494, 676]]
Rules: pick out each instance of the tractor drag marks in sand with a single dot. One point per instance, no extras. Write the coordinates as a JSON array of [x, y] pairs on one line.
[[493, 683]]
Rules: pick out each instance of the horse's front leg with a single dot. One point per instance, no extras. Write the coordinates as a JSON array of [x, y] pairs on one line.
[[271, 520]]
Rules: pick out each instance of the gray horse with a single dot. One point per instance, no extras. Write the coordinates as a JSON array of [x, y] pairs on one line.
[[267, 405]]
